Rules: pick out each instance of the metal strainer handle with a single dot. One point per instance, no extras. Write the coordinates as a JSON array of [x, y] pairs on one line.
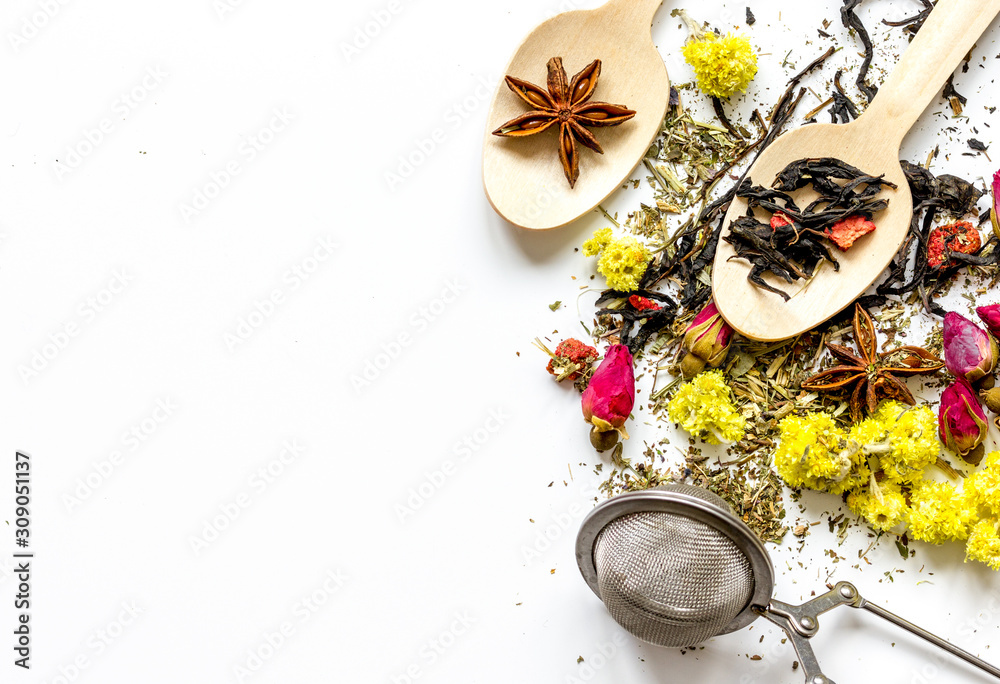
[[802, 622]]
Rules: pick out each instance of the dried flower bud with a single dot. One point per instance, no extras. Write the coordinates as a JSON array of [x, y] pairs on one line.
[[990, 315], [961, 420], [602, 441], [995, 208], [969, 352], [723, 65], [706, 341], [991, 397], [610, 396]]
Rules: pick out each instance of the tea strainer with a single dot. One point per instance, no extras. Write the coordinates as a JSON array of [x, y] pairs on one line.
[[675, 567]]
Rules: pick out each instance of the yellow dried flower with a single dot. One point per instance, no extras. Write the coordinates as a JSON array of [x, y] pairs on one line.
[[939, 513], [815, 453], [868, 432], [705, 408], [723, 66], [593, 246], [912, 435], [622, 260], [984, 543], [883, 506], [623, 263], [982, 488]]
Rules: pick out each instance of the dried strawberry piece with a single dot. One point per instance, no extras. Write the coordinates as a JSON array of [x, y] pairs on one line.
[[570, 352], [779, 220], [643, 304], [843, 233], [960, 236]]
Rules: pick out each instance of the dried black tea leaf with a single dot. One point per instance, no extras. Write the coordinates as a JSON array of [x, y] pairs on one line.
[[793, 245]]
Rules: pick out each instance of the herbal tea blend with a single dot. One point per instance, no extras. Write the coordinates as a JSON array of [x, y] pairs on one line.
[[885, 407]]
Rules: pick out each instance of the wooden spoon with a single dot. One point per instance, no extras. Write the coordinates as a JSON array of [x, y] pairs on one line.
[[523, 177], [872, 144]]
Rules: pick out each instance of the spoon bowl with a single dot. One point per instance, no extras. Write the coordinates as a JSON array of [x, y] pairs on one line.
[[523, 177], [763, 315], [871, 144]]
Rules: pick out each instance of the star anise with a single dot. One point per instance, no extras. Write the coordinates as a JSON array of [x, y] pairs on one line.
[[869, 375], [565, 104]]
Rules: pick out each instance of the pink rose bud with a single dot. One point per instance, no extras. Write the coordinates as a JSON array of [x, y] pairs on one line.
[[990, 315], [608, 399], [995, 209], [961, 420], [706, 342], [969, 352]]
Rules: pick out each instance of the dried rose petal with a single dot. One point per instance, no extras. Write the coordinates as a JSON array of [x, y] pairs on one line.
[[845, 232], [969, 352], [960, 236], [961, 420], [610, 396], [706, 341]]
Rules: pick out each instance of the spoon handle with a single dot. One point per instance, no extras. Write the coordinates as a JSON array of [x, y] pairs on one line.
[[939, 47], [632, 11]]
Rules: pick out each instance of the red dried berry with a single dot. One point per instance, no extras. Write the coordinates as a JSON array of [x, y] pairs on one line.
[[960, 236], [643, 304], [843, 233], [573, 351], [779, 220], [576, 351]]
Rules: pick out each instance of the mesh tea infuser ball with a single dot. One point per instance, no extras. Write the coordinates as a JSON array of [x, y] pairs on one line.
[[675, 567]]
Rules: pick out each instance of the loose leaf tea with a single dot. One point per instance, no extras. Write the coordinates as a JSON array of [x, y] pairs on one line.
[[912, 24], [843, 110], [776, 251], [852, 21], [690, 252], [791, 247], [641, 317], [912, 270]]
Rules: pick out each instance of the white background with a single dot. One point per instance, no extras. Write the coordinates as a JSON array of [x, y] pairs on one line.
[[464, 589]]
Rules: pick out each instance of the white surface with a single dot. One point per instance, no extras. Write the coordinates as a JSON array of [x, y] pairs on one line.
[[213, 80]]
